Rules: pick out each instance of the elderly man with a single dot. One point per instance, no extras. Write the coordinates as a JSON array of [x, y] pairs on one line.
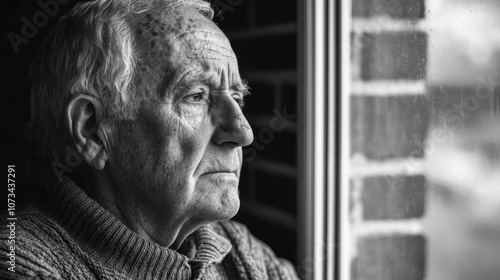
[[137, 120]]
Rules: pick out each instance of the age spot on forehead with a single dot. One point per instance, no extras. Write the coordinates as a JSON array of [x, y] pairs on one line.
[[178, 23]]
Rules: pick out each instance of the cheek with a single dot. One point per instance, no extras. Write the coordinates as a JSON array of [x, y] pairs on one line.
[[194, 131], [180, 140], [163, 147], [192, 121], [194, 117]]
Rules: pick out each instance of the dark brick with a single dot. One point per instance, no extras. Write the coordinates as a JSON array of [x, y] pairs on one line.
[[231, 14], [271, 52], [261, 101], [389, 127], [281, 146], [275, 12], [409, 9], [390, 258], [395, 56], [277, 191], [289, 98], [454, 107], [387, 197]]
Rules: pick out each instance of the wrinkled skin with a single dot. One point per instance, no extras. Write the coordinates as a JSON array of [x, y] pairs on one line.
[[177, 166]]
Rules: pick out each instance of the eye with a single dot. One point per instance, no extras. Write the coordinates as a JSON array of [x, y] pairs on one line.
[[195, 97], [239, 99]]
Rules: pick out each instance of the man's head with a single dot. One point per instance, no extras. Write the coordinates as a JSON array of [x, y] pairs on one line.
[[149, 96]]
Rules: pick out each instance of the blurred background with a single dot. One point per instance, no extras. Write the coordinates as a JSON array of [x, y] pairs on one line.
[[425, 135], [424, 181]]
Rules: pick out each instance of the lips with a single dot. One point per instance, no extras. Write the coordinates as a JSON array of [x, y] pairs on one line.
[[223, 164], [219, 177], [220, 172]]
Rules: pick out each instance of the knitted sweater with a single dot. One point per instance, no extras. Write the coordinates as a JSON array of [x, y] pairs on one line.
[[64, 234]]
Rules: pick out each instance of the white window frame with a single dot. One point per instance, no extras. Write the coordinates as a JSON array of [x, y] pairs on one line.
[[323, 146]]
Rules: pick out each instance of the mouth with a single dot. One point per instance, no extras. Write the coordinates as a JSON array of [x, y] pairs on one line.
[[220, 173], [221, 177], [226, 173]]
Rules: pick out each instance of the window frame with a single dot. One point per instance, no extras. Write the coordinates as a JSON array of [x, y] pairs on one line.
[[323, 144]]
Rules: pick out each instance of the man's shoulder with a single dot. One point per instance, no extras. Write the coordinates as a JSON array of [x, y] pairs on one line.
[[29, 224], [31, 242]]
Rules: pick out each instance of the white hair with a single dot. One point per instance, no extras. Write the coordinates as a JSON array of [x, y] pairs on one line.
[[90, 51]]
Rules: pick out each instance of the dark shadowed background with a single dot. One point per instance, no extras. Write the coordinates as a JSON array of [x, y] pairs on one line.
[[263, 35]]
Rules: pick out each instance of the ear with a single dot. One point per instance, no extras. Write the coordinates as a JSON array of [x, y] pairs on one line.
[[87, 130]]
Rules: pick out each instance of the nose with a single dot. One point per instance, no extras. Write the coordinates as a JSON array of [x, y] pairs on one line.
[[231, 126]]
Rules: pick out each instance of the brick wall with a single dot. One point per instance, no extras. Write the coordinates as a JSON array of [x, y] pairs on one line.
[[389, 119], [263, 35]]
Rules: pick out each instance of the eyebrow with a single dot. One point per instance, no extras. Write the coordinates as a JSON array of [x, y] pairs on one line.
[[204, 78], [243, 87]]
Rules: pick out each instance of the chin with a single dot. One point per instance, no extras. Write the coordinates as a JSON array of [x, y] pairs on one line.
[[220, 200], [222, 207], [229, 204]]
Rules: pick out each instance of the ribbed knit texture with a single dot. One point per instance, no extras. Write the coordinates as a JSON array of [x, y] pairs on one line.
[[63, 234]]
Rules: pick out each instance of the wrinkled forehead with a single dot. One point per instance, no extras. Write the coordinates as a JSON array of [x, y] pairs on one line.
[[182, 32]]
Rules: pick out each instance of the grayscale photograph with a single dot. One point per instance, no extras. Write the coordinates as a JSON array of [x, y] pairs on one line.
[[251, 140]]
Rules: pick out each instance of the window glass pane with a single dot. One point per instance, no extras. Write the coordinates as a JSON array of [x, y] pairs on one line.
[[425, 139]]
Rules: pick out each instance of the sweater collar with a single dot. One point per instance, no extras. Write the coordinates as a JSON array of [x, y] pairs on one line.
[[113, 244]]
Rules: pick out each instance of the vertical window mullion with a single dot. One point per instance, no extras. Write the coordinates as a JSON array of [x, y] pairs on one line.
[[344, 92], [316, 149]]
